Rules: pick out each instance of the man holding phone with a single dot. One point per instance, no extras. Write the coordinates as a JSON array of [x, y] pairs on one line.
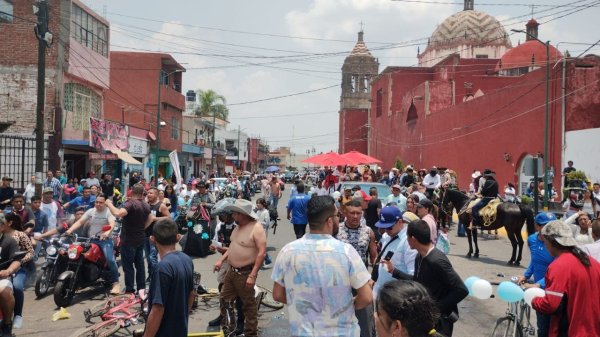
[[396, 254]]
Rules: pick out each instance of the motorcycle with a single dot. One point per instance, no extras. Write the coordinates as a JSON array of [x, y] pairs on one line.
[[56, 262], [86, 266]]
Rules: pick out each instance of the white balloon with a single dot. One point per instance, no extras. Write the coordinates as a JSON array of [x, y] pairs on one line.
[[481, 289], [336, 195], [532, 293]]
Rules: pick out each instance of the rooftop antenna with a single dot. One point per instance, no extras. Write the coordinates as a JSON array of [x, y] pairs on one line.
[[361, 25]]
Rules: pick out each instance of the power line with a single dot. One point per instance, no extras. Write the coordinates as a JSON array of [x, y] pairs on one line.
[[481, 4], [283, 96]]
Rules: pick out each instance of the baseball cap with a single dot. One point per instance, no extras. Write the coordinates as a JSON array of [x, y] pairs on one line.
[[388, 217], [7, 178], [47, 190], [425, 203], [561, 232], [356, 187], [543, 218], [396, 186], [409, 216]]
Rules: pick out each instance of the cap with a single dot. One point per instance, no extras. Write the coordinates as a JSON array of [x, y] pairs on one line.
[[47, 190], [409, 216], [425, 203], [388, 217], [561, 232], [543, 218], [356, 187], [347, 188], [6, 178], [396, 186]]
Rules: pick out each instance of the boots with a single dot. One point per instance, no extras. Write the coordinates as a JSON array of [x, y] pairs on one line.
[[6, 329], [215, 322], [239, 324]]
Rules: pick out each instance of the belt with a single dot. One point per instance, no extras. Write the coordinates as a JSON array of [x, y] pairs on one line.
[[242, 269]]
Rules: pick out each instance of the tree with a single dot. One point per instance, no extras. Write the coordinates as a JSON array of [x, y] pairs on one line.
[[212, 104]]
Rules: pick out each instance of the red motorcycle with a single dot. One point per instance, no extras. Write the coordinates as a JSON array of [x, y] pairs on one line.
[[86, 266]]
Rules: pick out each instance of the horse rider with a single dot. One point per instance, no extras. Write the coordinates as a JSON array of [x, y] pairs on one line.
[[432, 181], [489, 191]]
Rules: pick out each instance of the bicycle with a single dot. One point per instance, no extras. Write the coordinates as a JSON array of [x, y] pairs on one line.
[[516, 322], [116, 312]]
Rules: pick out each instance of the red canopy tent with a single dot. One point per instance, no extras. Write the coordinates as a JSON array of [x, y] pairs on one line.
[[360, 158], [329, 159]]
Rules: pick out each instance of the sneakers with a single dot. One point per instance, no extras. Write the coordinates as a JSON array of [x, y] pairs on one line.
[[17, 322], [6, 330], [267, 265], [116, 289], [215, 322]]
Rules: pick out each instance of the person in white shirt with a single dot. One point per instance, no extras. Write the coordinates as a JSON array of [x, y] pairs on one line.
[[189, 191], [596, 200], [51, 207], [432, 181], [510, 194], [29, 190], [593, 249], [397, 199], [320, 189]]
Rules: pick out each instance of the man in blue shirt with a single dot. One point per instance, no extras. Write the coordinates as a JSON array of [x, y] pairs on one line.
[[87, 200], [41, 223], [296, 211], [540, 260]]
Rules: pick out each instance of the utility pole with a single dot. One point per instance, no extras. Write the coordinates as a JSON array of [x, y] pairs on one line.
[[212, 152], [238, 150], [41, 30]]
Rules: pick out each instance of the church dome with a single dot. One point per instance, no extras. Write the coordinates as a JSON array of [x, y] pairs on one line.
[[532, 53], [469, 27]]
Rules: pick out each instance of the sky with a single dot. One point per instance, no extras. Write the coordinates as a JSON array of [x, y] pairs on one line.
[[278, 62]]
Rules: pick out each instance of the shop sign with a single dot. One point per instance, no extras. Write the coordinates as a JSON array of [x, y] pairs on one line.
[[138, 147], [102, 156]]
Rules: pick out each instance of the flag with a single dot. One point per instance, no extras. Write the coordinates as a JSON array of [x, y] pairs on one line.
[[175, 163]]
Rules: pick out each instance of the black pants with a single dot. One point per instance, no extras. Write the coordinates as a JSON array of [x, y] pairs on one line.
[[299, 230]]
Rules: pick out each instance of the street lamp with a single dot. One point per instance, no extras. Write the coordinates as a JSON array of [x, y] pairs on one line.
[[159, 123], [547, 45]]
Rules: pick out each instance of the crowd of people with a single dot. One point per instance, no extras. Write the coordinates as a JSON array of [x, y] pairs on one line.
[[323, 275]]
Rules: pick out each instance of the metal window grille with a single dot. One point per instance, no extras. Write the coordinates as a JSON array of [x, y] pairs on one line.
[[17, 159]]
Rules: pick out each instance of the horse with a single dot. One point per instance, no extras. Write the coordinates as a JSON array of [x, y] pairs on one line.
[[509, 215]]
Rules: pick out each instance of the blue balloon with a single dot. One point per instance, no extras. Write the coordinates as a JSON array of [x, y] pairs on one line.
[[469, 283], [510, 292]]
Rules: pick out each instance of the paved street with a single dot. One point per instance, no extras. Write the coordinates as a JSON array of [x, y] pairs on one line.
[[476, 316]]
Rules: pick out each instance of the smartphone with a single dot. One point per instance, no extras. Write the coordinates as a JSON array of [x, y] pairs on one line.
[[389, 255]]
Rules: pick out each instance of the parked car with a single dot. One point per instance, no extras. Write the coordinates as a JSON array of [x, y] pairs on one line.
[[383, 190]]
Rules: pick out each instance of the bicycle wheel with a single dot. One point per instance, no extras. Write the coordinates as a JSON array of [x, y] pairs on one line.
[[102, 329], [102, 308], [504, 327], [268, 300]]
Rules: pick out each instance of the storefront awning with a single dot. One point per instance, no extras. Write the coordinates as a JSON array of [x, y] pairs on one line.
[[126, 157]]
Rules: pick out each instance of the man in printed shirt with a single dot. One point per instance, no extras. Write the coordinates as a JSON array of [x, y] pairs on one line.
[[315, 275]]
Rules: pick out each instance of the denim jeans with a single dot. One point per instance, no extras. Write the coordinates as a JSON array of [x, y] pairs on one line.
[[151, 255], [108, 251], [274, 201], [543, 324], [18, 290], [133, 256], [478, 219]]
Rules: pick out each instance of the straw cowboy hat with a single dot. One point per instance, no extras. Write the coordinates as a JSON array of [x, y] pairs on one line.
[[244, 207]]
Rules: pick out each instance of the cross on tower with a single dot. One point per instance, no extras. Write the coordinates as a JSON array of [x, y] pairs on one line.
[[361, 25], [532, 9]]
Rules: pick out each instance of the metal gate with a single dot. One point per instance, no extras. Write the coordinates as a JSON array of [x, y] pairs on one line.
[[17, 159]]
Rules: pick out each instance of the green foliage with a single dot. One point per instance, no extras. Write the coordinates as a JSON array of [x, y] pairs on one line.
[[526, 200], [578, 175], [211, 103], [399, 164]]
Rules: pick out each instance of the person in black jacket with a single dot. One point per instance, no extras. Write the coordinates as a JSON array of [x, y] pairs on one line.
[[489, 191], [434, 271]]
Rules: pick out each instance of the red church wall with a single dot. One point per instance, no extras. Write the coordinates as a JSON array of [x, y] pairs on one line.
[[476, 134], [583, 106], [353, 130]]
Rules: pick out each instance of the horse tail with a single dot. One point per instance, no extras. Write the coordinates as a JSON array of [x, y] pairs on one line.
[[528, 213]]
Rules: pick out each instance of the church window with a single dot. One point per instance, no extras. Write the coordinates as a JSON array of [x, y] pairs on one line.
[[481, 56], [411, 115], [366, 80], [355, 83]]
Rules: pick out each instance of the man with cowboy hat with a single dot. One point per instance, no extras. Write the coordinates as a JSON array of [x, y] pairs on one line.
[[489, 191], [245, 256]]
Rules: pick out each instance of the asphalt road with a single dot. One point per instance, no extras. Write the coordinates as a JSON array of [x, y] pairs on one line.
[[476, 316]]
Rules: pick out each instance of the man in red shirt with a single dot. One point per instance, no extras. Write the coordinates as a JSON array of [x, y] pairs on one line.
[[572, 285]]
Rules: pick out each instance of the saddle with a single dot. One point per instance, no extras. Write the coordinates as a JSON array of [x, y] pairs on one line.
[[488, 213]]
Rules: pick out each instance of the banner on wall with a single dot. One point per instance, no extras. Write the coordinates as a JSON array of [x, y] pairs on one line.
[[108, 135], [175, 164]]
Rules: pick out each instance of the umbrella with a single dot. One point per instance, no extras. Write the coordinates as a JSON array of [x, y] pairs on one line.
[[329, 159], [360, 158], [272, 168]]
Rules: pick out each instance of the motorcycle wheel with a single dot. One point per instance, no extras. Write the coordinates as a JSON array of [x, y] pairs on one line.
[[42, 283], [101, 329], [61, 299]]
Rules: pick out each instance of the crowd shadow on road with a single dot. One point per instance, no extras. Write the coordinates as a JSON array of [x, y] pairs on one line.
[[485, 260]]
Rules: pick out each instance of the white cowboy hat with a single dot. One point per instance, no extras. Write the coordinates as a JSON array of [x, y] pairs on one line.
[[244, 207], [475, 174]]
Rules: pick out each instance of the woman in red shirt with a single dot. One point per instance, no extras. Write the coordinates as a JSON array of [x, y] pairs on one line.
[[572, 285]]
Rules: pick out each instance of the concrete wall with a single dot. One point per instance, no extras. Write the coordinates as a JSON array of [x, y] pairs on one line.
[[584, 156]]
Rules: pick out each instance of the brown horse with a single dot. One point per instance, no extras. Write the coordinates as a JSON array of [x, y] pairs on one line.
[[509, 215]]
